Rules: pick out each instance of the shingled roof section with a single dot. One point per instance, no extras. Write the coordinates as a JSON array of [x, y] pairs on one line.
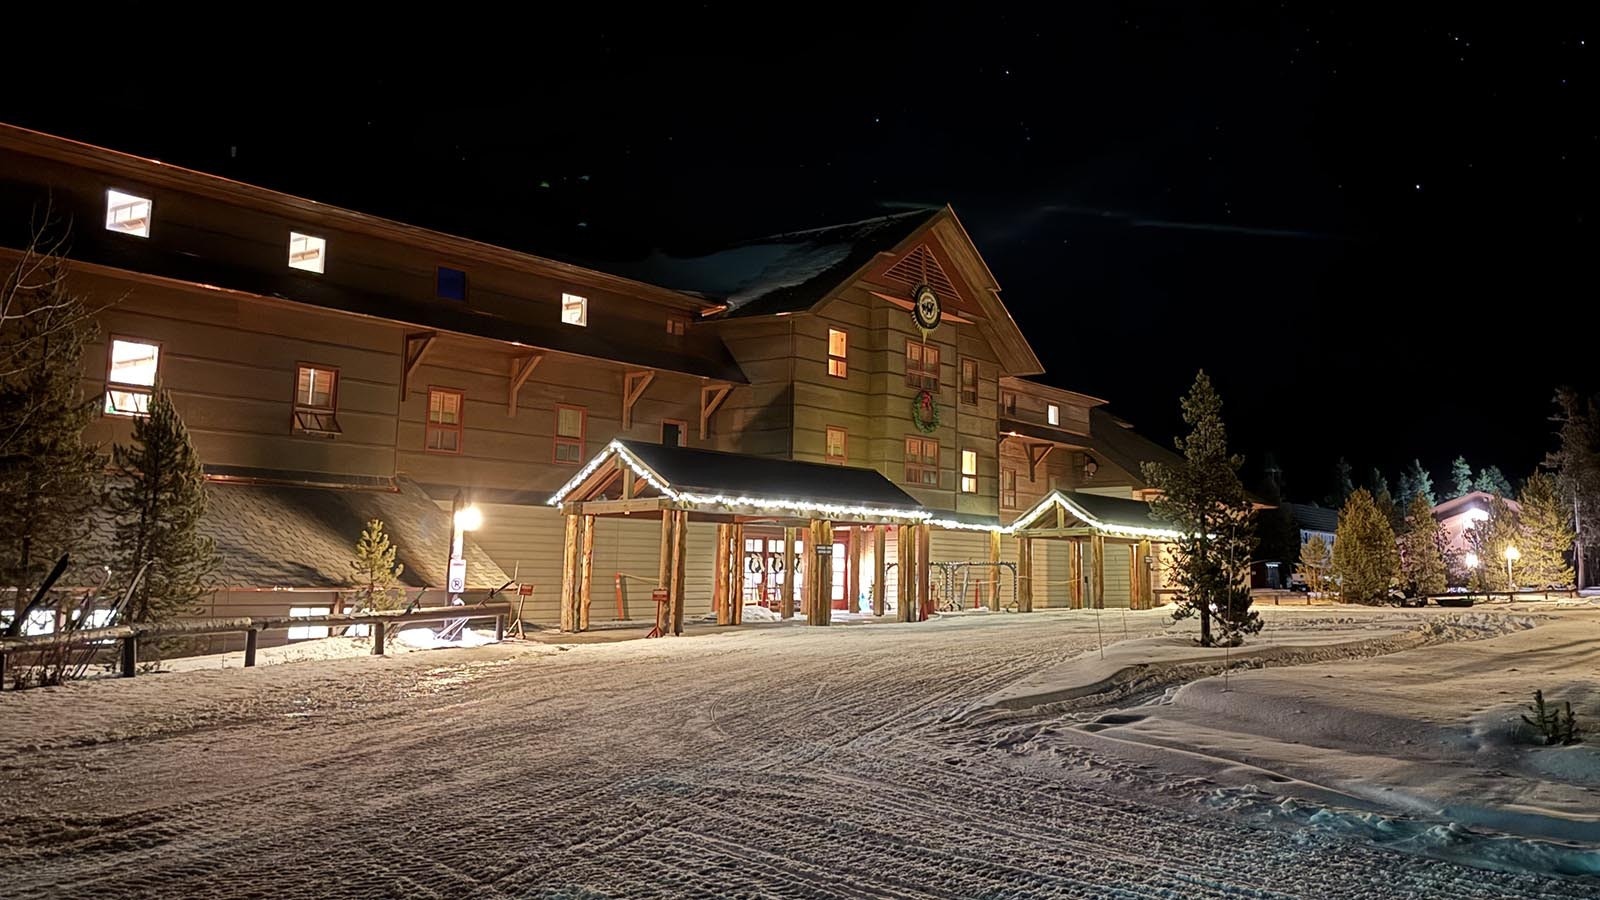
[[687, 469], [782, 273], [281, 536], [1125, 448], [1116, 511]]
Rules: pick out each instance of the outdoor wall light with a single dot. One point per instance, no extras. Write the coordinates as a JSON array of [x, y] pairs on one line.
[[469, 518]]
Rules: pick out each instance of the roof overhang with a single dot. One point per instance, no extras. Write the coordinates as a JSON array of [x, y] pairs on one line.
[[1048, 518]]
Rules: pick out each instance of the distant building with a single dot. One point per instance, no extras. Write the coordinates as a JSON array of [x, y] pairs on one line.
[[1462, 513], [1308, 520]]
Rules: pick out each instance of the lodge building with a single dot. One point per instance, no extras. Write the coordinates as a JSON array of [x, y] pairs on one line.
[[853, 399]]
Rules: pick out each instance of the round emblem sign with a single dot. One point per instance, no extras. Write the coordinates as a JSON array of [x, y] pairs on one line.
[[925, 309]]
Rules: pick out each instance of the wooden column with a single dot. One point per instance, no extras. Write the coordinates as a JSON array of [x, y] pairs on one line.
[[789, 535], [1075, 571], [736, 575], [1024, 574], [1097, 570], [905, 542], [880, 565], [819, 574], [570, 561], [854, 545], [664, 570], [994, 571], [586, 581], [719, 577], [680, 550], [924, 581], [1135, 590], [1147, 588]]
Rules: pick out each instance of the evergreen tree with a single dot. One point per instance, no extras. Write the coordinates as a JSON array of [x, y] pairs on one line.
[[1315, 563], [1201, 496], [49, 475], [1377, 483], [1388, 509], [1415, 481], [1546, 534], [1422, 561], [1345, 484], [1364, 556], [1488, 539], [158, 501], [1577, 465], [375, 571], [1461, 482], [1491, 480]]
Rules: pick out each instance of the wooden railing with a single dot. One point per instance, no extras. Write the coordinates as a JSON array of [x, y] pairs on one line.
[[129, 636]]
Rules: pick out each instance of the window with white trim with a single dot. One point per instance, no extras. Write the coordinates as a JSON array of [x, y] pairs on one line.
[[308, 632], [306, 252], [838, 353], [969, 471], [316, 401], [1008, 488], [131, 376], [127, 213], [835, 448], [1052, 414], [575, 310]]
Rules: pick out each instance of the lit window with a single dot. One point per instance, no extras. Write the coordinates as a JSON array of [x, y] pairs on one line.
[[1008, 402], [677, 324], [570, 424], [574, 310], [306, 252], [1052, 414], [838, 350], [308, 632], [922, 366], [443, 431], [316, 401], [1008, 488], [451, 284], [131, 376], [922, 462], [127, 213], [836, 444], [969, 381], [969, 471]]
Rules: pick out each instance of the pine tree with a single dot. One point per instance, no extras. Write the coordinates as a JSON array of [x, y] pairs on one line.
[[1461, 477], [158, 501], [1488, 539], [376, 573], [1422, 561], [1345, 485], [1202, 497], [1577, 466], [1415, 481], [1388, 509], [49, 475], [1491, 480], [1364, 556], [1546, 534], [1315, 563]]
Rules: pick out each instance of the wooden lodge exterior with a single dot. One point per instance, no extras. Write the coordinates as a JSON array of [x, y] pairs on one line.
[[333, 366]]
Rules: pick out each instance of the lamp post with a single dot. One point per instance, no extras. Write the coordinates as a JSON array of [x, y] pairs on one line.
[[462, 520], [1512, 554]]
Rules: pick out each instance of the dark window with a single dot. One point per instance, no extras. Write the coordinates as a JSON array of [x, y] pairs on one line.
[[672, 434], [452, 284]]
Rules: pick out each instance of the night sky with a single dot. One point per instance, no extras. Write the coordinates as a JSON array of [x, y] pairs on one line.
[[1373, 230]]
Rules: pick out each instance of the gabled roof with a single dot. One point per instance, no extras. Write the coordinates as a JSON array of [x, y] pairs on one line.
[[1458, 505], [688, 477], [1115, 516], [1125, 448], [1311, 517], [783, 273]]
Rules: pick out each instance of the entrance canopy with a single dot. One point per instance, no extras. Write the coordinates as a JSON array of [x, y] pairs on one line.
[[1075, 514], [636, 477]]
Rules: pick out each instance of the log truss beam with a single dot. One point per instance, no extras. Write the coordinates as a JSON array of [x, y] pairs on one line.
[[417, 344], [633, 386], [711, 398], [521, 368]]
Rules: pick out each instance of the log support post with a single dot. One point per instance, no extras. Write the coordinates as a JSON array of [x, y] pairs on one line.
[[924, 569], [680, 553], [789, 539], [379, 637], [994, 571], [1075, 572], [1097, 570], [571, 565], [250, 637], [736, 575], [719, 577], [130, 656], [880, 566], [1024, 574], [586, 581], [499, 627], [855, 544], [905, 544], [819, 573]]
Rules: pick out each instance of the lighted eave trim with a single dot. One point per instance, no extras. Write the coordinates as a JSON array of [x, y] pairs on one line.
[[1083, 515], [650, 475]]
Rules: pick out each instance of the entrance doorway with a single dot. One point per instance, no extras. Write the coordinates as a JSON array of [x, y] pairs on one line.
[[762, 567]]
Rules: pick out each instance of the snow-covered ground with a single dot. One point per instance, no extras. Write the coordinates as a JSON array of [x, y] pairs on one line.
[[983, 755]]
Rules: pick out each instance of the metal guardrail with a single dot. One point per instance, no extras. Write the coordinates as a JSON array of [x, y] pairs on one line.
[[251, 626]]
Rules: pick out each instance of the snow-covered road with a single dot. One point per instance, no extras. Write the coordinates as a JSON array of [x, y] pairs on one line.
[[778, 761]]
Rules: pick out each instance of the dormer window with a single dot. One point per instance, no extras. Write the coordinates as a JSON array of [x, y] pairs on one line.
[[575, 310], [306, 252], [127, 213]]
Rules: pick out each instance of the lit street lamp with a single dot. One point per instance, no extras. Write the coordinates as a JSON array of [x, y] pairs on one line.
[[1512, 554], [1472, 560], [462, 520]]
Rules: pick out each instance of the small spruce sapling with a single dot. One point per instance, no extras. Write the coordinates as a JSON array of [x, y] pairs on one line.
[[377, 575]]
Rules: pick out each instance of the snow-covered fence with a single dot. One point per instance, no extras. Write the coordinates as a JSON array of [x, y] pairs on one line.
[[129, 636]]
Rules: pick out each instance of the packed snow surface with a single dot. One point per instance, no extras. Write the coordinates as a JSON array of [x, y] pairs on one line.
[[883, 760]]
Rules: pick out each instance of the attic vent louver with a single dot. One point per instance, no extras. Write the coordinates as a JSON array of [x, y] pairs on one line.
[[920, 266]]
